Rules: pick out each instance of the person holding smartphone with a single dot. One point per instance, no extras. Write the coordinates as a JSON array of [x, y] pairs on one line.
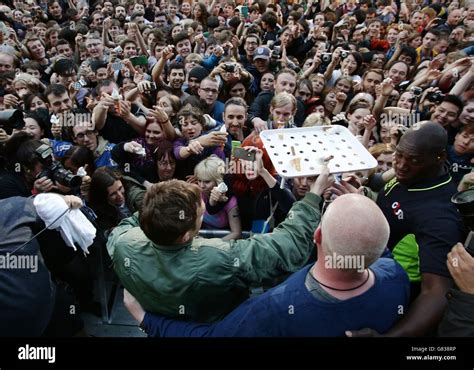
[[263, 203]]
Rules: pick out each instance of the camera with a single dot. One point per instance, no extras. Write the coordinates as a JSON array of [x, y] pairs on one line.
[[11, 119], [229, 67], [344, 54], [416, 91], [54, 170], [435, 97], [276, 52], [464, 201], [326, 57], [59, 175]]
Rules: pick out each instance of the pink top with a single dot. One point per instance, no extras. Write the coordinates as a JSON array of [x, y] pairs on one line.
[[220, 220]]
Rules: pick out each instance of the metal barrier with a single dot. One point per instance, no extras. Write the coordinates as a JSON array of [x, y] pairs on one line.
[[213, 233]]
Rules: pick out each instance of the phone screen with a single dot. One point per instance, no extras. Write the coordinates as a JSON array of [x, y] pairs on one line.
[[241, 153], [245, 11], [141, 60]]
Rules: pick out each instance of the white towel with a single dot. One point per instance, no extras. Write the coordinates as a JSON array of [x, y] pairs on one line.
[[74, 227]]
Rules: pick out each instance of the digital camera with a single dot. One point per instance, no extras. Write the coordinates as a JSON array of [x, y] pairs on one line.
[[435, 97], [416, 91], [326, 57], [229, 67], [54, 170]]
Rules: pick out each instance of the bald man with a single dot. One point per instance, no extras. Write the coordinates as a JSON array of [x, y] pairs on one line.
[[7, 63], [349, 283], [424, 225]]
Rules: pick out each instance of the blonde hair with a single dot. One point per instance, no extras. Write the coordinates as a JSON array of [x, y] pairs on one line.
[[210, 169], [282, 99], [316, 119], [192, 56], [31, 82], [316, 76]]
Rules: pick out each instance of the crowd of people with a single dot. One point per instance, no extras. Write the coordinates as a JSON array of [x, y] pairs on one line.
[[138, 109]]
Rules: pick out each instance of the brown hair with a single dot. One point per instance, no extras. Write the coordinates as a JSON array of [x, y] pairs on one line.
[[468, 129], [169, 210], [381, 148]]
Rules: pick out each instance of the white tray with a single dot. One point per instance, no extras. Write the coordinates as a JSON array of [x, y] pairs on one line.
[[310, 144]]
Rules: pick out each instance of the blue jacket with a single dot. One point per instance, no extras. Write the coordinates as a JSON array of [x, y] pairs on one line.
[[291, 310]]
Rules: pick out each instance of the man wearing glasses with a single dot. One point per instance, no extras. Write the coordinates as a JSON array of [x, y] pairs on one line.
[[85, 134], [208, 93]]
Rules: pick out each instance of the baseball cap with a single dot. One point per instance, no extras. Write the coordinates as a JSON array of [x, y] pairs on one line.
[[262, 53]]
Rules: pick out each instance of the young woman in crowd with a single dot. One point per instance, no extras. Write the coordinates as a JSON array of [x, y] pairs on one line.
[[210, 174], [113, 197], [195, 144], [262, 202]]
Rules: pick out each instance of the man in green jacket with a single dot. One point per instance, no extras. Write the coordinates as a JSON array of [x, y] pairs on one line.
[[161, 261]]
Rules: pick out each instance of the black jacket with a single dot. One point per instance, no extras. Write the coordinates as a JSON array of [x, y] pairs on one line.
[[458, 320]]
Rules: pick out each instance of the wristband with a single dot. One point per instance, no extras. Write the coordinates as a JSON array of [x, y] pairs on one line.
[[163, 122]]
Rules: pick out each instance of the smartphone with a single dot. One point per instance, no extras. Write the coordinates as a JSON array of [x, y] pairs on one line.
[[139, 61], [246, 155], [276, 53], [77, 86], [117, 66], [244, 10]]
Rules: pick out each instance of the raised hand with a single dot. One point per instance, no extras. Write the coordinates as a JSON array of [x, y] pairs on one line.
[[132, 147], [216, 196], [159, 114], [323, 182], [259, 125], [213, 138], [387, 87], [341, 97], [168, 52], [195, 147], [369, 122]]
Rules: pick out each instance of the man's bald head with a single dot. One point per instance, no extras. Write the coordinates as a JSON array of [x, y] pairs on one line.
[[7, 62], [427, 138], [354, 225]]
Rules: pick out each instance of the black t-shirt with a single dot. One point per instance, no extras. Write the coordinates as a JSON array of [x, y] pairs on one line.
[[117, 130], [422, 213]]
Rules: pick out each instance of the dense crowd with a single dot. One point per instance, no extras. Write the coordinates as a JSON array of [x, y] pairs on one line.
[[115, 101]]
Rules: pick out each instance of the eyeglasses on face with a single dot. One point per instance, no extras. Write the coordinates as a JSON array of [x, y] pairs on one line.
[[207, 90], [82, 135]]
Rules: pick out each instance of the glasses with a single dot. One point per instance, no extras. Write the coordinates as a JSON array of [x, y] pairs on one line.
[[213, 91], [166, 164], [82, 135]]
